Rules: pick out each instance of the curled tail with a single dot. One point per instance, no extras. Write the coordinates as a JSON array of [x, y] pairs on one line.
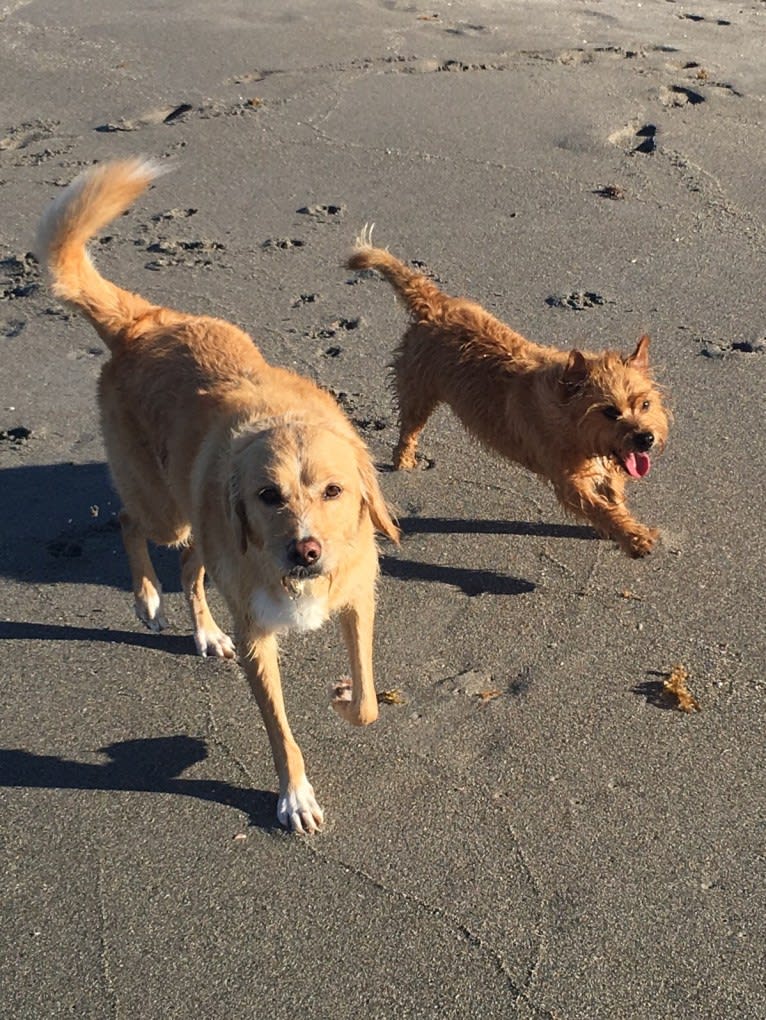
[[88, 204], [423, 298]]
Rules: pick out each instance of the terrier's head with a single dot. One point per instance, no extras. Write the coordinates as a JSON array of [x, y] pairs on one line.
[[616, 407]]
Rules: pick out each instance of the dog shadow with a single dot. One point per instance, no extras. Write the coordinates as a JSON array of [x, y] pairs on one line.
[[459, 526], [148, 765], [22, 630], [471, 581], [59, 525]]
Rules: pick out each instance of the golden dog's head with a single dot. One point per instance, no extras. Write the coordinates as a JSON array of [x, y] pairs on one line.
[[306, 496], [616, 408]]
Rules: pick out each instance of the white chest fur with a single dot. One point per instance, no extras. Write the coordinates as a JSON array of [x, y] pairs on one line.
[[278, 612]]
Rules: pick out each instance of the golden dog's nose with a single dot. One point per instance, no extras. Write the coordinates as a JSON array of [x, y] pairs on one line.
[[307, 552]]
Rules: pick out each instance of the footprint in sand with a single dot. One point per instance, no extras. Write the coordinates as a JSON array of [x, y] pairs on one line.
[[185, 253], [701, 17], [674, 96], [717, 349], [464, 28], [180, 112], [17, 436], [331, 330], [11, 328], [19, 277], [282, 243], [161, 115], [576, 301], [636, 137], [28, 133], [332, 213], [174, 214]]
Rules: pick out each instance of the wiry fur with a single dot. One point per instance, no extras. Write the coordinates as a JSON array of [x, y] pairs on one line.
[[538, 406], [252, 470]]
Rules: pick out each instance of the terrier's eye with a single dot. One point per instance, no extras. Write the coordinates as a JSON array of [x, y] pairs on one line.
[[332, 491], [611, 412], [271, 496], [646, 405]]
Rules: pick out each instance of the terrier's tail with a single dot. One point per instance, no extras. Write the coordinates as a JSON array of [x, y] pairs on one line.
[[88, 204], [423, 298]]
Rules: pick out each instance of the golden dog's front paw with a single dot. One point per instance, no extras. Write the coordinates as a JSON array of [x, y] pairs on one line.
[[341, 695], [640, 541], [298, 810], [150, 610], [213, 643]]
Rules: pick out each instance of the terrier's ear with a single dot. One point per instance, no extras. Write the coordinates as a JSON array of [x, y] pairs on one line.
[[640, 357], [575, 372]]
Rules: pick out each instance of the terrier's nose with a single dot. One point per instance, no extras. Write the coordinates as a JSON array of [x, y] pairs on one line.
[[306, 552], [643, 441]]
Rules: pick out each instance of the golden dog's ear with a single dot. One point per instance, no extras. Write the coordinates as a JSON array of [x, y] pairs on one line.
[[245, 531], [241, 523], [575, 372], [373, 498], [640, 357]]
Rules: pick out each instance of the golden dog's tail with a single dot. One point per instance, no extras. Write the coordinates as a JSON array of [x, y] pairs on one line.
[[423, 298], [92, 200]]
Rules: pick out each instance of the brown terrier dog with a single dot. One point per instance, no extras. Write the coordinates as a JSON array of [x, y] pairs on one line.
[[584, 421]]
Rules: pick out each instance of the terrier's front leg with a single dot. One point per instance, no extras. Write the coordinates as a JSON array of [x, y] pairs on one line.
[[603, 504], [297, 808]]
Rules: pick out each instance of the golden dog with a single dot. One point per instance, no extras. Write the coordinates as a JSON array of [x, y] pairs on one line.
[[584, 421], [251, 470]]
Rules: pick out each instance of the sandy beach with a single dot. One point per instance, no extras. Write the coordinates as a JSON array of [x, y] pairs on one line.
[[532, 829]]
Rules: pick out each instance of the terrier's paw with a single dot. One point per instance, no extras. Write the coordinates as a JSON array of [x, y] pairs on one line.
[[640, 542], [404, 460], [411, 460], [298, 810], [150, 612], [341, 700], [214, 643]]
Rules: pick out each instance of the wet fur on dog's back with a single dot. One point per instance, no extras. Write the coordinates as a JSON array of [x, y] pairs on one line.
[[583, 421], [251, 469]]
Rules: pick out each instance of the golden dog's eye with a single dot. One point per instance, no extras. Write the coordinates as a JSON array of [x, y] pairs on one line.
[[271, 496], [332, 491], [646, 405], [611, 412]]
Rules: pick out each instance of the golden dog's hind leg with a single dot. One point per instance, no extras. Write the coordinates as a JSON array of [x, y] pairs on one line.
[[147, 590], [356, 702], [208, 636], [297, 808]]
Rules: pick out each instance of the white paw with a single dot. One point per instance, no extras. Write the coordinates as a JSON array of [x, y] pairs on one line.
[[150, 612], [298, 810], [214, 643]]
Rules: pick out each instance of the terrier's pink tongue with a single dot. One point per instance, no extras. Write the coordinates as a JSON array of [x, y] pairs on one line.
[[637, 464]]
